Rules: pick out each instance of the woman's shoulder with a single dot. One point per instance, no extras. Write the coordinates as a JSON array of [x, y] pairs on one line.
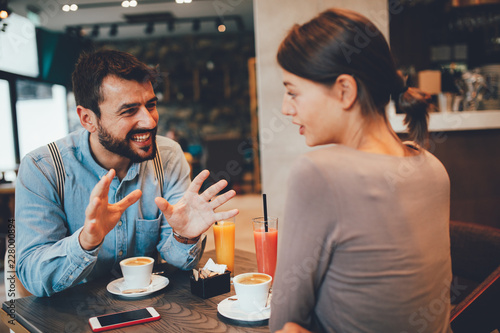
[[320, 161], [330, 156]]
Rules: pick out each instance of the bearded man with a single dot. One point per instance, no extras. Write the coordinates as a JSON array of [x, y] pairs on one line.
[[126, 192]]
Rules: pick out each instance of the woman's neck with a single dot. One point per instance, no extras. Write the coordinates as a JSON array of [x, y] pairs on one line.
[[375, 136]]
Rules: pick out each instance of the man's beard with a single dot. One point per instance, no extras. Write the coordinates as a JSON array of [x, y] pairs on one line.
[[122, 148]]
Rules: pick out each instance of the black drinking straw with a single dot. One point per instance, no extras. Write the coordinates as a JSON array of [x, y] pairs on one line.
[[265, 212]]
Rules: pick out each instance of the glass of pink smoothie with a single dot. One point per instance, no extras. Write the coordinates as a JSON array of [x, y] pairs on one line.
[[265, 235]]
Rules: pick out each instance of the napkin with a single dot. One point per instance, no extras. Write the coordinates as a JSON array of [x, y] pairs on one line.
[[212, 266]]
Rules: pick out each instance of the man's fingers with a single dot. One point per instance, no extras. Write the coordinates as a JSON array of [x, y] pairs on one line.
[[219, 216], [198, 181], [214, 189], [222, 199], [102, 187], [91, 210], [129, 199]]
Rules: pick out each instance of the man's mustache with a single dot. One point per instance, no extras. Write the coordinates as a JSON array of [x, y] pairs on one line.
[[141, 131]]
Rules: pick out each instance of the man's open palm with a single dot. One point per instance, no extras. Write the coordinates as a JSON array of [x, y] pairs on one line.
[[194, 213]]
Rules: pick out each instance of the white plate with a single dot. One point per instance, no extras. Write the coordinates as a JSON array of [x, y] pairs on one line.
[[231, 309], [157, 282]]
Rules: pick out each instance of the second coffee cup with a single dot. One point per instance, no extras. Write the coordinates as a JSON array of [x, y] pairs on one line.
[[252, 290]]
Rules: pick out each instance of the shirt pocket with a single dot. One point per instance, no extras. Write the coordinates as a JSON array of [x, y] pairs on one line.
[[147, 236]]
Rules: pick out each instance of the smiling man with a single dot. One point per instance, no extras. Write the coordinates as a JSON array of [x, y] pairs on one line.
[[114, 203]]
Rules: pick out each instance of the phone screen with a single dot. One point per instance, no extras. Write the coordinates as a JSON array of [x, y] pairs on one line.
[[118, 318]]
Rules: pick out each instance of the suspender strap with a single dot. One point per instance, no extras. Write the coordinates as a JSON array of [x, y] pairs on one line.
[[61, 173], [159, 173], [59, 167]]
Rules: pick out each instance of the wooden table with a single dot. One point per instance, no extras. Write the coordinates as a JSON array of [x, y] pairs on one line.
[[180, 310]]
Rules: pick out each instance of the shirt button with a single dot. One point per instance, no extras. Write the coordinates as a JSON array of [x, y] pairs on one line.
[[71, 276], [86, 259], [120, 223], [120, 253]]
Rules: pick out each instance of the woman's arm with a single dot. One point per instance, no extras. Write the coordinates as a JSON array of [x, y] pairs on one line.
[[306, 246]]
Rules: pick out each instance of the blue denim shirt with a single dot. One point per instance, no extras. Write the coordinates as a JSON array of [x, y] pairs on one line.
[[49, 256]]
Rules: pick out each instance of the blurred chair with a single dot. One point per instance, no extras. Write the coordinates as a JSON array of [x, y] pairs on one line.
[[475, 291]]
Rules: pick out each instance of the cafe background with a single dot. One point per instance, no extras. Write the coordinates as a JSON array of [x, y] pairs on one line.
[[220, 92]]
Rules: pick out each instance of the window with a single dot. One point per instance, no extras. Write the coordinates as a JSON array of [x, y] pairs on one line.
[[7, 151], [18, 47], [42, 114]]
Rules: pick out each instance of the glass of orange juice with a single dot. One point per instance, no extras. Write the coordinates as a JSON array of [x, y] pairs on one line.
[[224, 243], [265, 233]]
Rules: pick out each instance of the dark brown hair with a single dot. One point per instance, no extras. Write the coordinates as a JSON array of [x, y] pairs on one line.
[[340, 41], [92, 68]]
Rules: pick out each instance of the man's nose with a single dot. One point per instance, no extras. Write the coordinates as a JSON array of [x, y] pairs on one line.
[[147, 118]]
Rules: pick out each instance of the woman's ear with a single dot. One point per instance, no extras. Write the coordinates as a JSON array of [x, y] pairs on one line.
[[87, 118], [348, 90]]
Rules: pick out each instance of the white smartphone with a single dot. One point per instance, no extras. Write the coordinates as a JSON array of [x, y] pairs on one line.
[[122, 319]]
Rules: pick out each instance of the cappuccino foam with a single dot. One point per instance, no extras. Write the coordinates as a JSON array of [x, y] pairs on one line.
[[137, 262], [253, 279]]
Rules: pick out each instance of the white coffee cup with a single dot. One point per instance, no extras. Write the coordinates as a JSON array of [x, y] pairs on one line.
[[252, 290], [137, 271]]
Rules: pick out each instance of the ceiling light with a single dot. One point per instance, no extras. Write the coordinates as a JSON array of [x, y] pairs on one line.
[[127, 3], [4, 10], [67, 8], [179, 1], [219, 25]]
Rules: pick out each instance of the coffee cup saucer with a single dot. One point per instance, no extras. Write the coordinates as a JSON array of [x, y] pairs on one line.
[[230, 309], [118, 286]]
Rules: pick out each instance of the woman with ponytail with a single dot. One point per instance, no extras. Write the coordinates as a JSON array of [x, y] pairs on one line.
[[365, 240]]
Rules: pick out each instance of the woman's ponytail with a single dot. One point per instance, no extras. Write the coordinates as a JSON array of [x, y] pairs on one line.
[[415, 104]]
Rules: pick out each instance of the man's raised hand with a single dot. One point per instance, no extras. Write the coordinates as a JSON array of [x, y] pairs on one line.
[[101, 216], [194, 213]]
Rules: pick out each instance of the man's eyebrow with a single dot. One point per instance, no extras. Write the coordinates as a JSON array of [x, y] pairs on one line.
[[154, 99], [126, 106], [131, 105], [286, 83]]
